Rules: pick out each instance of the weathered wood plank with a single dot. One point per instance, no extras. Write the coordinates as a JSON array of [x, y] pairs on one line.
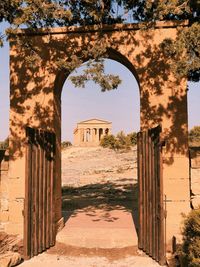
[[140, 188], [44, 199], [150, 193], [27, 202], [36, 198], [47, 193], [40, 247], [147, 191]]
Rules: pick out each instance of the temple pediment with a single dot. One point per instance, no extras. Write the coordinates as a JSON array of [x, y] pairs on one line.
[[94, 121]]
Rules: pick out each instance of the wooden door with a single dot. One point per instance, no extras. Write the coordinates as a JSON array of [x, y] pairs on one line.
[[151, 213], [39, 211]]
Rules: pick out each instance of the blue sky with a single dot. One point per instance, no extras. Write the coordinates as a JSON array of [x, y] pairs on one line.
[[120, 106]]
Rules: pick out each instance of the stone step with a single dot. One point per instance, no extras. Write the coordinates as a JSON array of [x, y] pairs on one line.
[[99, 228]]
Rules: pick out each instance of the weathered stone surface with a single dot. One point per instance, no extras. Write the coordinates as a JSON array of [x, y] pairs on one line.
[[4, 216], [10, 259], [4, 204], [196, 202], [90, 132], [4, 165], [163, 98]]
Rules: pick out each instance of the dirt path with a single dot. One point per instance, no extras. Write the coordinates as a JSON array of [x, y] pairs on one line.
[[49, 260]]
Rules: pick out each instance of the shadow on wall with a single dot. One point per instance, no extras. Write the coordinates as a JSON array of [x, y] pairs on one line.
[[36, 88], [106, 197]]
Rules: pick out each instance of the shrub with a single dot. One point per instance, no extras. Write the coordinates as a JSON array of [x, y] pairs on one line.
[[4, 144], [123, 141], [120, 142], [133, 138], [65, 144], [108, 141], [194, 135], [190, 250]]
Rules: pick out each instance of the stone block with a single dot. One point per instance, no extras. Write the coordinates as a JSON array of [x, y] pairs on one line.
[[196, 202], [14, 228], [177, 189], [174, 219], [16, 188], [3, 204], [4, 165], [195, 181], [195, 163], [4, 175], [10, 259], [16, 208], [179, 168], [4, 216], [17, 168], [4, 185], [195, 173]]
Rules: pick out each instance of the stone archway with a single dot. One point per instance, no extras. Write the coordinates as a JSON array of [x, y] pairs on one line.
[[35, 101]]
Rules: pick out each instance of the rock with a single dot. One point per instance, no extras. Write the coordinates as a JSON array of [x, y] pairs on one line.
[[196, 202], [10, 259]]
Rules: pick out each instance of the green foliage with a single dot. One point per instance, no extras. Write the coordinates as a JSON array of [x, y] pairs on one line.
[[4, 144], [65, 144], [95, 72], [184, 51], [108, 141], [133, 138], [194, 136], [189, 253], [187, 48], [118, 142]]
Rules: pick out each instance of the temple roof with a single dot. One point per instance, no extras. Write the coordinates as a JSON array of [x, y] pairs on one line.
[[94, 121]]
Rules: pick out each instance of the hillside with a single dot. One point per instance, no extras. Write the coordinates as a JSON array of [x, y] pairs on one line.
[[83, 166]]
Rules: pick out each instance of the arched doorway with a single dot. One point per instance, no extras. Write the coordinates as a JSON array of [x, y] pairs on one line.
[[35, 102], [93, 199], [58, 86]]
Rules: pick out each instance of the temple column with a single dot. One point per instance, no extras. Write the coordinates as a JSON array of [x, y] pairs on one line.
[[85, 135], [90, 134], [93, 135], [81, 135]]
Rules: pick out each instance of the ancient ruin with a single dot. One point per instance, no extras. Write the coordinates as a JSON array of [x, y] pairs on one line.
[[90, 132]]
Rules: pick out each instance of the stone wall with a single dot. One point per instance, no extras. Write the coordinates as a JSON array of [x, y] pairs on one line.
[[195, 176], [4, 163], [36, 102]]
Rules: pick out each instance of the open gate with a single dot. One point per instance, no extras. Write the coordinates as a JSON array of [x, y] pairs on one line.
[[151, 210], [39, 211]]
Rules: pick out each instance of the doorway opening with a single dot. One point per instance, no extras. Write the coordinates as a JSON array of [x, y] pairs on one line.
[[99, 185]]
